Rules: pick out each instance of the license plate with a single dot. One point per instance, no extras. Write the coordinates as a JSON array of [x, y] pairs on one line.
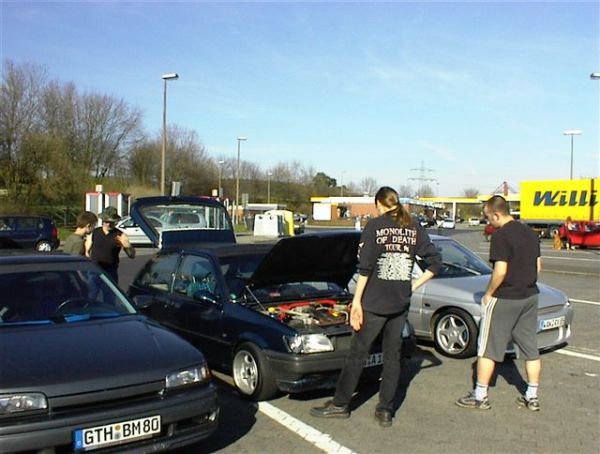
[[374, 359], [552, 323], [117, 433]]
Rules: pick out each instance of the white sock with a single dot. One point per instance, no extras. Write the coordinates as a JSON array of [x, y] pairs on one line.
[[532, 390], [481, 391]]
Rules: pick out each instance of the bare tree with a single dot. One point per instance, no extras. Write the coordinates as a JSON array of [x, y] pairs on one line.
[[470, 192], [425, 191], [19, 100], [405, 191], [107, 127], [368, 185]]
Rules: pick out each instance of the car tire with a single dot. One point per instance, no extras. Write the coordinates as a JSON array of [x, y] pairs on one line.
[[251, 374], [455, 334], [43, 246]]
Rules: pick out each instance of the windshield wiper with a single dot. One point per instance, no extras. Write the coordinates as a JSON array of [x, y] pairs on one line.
[[462, 267]]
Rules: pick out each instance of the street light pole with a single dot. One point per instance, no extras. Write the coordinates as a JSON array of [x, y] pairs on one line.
[[165, 77], [572, 132], [342, 184], [237, 181], [220, 190], [269, 186]]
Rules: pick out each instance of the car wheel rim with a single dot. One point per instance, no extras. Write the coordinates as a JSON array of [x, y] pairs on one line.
[[245, 372], [44, 247], [452, 334]]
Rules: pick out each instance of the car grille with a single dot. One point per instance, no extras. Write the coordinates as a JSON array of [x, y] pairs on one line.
[[107, 398], [550, 309]]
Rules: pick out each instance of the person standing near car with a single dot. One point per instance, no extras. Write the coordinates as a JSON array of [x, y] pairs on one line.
[[105, 243], [75, 243], [387, 250], [509, 306]]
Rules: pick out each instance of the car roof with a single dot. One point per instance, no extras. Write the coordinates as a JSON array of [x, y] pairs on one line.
[[23, 257]]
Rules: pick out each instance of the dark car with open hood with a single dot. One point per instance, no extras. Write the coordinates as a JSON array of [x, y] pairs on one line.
[[273, 315], [81, 369]]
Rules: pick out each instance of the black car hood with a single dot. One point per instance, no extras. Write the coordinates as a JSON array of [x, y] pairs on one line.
[[179, 237], [74, 358], [326, 257]]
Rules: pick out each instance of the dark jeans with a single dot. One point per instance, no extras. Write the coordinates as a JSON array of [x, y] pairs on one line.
[[362, 340]]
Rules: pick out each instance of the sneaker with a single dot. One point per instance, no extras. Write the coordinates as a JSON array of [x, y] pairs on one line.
[[329, 410], [469, 401], [383, 417], [532, 404]]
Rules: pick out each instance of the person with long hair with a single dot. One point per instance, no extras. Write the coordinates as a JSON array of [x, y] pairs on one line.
[[387, 250]]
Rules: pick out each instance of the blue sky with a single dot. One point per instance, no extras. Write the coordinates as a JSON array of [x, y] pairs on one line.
[[480, 92]]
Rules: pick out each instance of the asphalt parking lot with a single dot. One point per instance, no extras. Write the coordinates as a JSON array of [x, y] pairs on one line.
[[427, 419]]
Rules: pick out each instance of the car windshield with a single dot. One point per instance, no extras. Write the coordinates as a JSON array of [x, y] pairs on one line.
[[187, 217], [59, 295], [458, 261]]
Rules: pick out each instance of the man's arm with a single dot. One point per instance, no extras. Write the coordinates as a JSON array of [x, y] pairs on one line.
[[498, 275]]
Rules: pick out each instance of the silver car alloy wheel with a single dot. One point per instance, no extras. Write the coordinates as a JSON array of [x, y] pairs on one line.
[[44, 246], [452, 333], [245, 372]]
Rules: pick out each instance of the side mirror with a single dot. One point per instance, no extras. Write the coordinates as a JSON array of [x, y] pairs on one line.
[[143, 301]]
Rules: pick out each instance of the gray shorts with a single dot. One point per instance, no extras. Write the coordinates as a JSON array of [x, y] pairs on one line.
[[503, 320]]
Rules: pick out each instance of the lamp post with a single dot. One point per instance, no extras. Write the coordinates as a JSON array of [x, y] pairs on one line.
[[220, 190], [237, 180], [165, 77], [572, 132], [269, 186]]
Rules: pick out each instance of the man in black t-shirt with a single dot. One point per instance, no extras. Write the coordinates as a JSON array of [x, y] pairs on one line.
[[105, 243], [509, 306]]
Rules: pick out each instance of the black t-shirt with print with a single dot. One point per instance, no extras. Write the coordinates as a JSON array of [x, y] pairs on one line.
[[386, 255], [518, 246]]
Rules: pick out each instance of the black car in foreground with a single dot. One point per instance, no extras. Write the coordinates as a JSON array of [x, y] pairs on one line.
[[274, 316], [81, 369], [28, 232]]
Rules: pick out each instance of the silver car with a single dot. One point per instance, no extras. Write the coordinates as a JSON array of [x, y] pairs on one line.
[[447, 309], [134, 232]]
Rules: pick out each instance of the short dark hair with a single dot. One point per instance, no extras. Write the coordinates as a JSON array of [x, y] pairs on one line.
[[498, 204], [85, 218]]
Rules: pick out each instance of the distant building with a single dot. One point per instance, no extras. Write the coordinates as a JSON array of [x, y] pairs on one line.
[[333, 208]]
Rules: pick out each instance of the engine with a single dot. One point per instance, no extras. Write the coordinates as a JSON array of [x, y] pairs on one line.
[[309, 313]]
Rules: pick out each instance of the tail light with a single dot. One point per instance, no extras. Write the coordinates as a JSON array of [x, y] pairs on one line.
[[54, 232]]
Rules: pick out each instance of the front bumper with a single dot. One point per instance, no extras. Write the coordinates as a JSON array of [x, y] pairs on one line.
[[186, 417], [299, 373]]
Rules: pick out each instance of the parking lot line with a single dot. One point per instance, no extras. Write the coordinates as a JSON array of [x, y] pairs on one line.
[[563, 351], [308, 433]]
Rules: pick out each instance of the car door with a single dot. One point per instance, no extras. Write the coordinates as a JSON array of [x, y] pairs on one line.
[[196, 304], [156, 281], [27, 231]]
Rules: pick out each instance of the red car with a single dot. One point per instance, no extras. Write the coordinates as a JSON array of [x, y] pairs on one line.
[[487, 232], [581, 234]]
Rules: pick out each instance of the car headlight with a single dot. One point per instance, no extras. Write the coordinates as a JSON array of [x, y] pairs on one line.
[[189, 376], [308, 343], [20, 403]]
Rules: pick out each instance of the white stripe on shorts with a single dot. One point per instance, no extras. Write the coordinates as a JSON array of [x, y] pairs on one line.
[[484, 325]]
